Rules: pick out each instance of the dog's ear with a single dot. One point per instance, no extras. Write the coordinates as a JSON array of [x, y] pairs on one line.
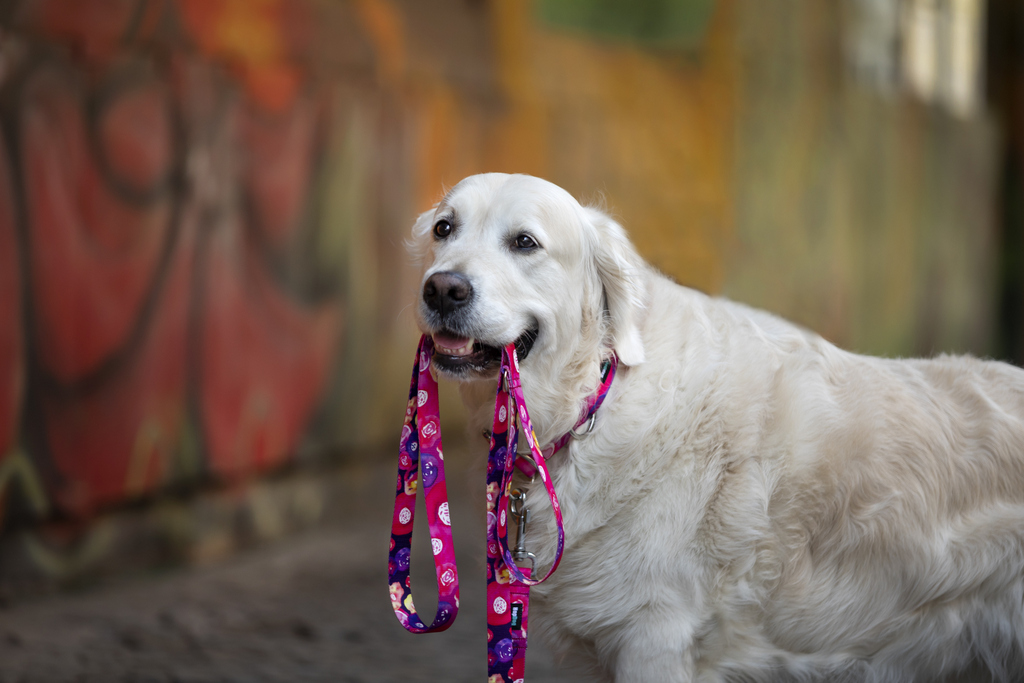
[[621, 271], [419, 242]]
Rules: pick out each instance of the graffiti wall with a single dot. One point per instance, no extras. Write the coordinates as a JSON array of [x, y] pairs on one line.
[[163, 320]]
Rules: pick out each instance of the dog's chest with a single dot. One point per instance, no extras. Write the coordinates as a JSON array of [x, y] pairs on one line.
[[624, 554]]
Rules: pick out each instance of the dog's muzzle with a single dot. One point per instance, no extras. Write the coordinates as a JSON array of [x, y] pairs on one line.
[[448, 296]]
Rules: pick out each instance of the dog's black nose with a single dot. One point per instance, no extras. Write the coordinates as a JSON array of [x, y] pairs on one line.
[[444, 292]]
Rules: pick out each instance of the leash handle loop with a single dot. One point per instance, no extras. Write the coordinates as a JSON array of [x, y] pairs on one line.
[[521, 416], [421, 458]]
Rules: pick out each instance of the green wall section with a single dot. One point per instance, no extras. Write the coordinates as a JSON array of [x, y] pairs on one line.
[[664, 24]]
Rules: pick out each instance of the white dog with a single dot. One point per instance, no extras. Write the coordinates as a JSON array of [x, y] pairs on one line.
[[752, 503]]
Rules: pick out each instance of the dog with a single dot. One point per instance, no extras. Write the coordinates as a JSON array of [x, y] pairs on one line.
[[751, 503]]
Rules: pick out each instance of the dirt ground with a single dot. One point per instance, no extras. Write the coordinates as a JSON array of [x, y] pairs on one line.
[[314, 607]]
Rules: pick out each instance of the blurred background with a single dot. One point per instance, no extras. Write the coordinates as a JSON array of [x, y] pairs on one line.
[[205, 324]]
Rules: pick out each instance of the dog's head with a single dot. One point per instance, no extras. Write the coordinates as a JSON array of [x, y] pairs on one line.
[[513, 258]]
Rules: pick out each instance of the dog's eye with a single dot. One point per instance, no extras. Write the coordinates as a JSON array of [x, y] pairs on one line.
[[442, 229], [525, 242]]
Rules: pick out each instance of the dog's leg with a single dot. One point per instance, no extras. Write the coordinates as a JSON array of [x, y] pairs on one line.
[[660, 649]]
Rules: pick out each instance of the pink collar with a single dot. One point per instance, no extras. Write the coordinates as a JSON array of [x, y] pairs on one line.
[[589, 412]]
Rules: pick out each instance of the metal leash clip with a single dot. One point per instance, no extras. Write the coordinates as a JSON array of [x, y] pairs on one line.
[[521, 513]]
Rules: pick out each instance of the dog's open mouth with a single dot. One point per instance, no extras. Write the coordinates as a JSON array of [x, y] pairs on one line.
[[457, 354]]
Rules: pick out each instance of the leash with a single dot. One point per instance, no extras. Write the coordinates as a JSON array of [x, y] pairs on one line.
[[508, 585], [421, 441]]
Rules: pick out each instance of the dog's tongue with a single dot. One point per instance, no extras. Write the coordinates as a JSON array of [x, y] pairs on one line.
[[453, 346]]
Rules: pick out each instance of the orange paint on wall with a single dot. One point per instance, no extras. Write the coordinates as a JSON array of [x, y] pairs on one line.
[[651, 132], [386, 29], [249, 36]]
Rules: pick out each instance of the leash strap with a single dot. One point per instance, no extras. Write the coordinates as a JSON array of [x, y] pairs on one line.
[[420, 453], [508, 586], [519, 416]]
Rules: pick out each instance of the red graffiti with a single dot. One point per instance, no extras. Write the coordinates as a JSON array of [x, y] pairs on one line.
[[159, 244]]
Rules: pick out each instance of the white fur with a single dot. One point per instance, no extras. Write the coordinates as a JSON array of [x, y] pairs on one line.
[[753, 503]]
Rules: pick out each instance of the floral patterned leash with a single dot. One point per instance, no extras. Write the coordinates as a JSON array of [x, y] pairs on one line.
[[508, 585], [420, 449]]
